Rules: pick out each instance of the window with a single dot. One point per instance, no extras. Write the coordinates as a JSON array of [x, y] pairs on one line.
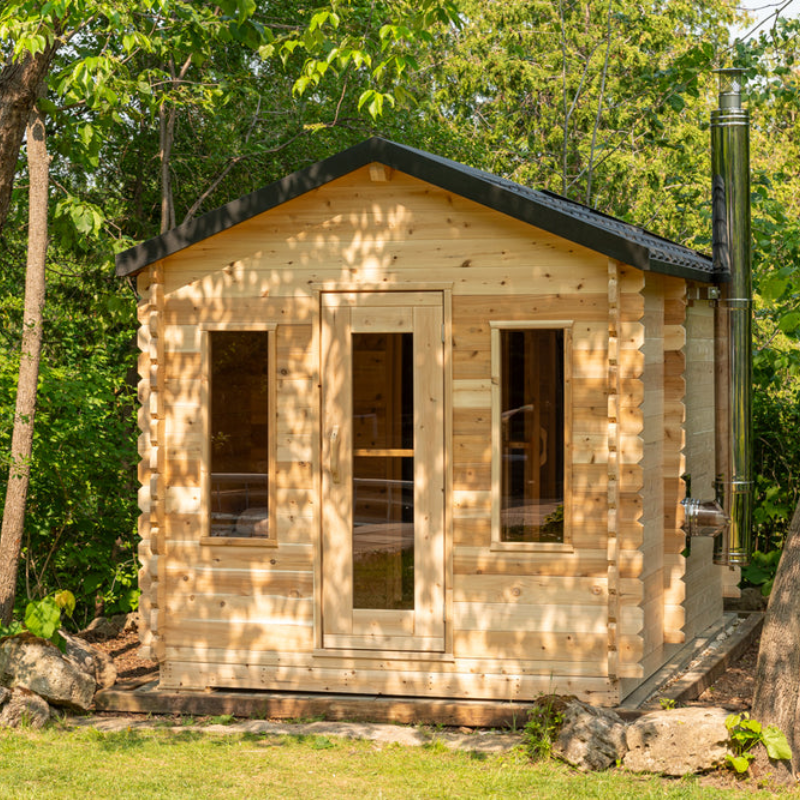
[[530, 365], [238, 458]]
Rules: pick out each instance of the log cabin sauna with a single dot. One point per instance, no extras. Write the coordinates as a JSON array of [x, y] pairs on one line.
[[409, 429]]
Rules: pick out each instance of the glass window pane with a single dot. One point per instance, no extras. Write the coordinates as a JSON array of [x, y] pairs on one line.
[[383, 532], [532, 435], [383, 391], [239, 434]]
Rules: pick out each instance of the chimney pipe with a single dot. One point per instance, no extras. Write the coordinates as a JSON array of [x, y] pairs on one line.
[[730, 154]]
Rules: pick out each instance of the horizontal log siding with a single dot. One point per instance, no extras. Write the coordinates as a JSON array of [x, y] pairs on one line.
[[241, 595]]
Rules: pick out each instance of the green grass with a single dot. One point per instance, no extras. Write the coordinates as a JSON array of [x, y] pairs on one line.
[[189, 764]]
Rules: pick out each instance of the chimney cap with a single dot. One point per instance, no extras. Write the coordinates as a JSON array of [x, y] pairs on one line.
[[731, 80]]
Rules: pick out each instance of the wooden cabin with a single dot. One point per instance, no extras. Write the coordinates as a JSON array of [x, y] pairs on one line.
[[410, 429]]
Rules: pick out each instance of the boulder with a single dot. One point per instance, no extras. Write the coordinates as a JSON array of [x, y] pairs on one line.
[[750, 599], [91, 660], [106, 627], [590, 738], [22, 707], [677, 742], [38, 665]]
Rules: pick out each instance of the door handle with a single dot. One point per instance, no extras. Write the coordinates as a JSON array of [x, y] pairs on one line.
[[334, 440]]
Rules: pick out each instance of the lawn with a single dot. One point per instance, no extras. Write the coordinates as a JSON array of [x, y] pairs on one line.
[[158, 763]]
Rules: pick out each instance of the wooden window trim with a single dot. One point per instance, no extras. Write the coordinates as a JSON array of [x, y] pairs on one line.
[[205, 417], [496, 327]]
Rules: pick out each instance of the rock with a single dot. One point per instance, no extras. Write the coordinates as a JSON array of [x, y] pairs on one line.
[[677, 742], [750, 599], [38, 665], [590, 738], [23, 708], [106, 627], [91, 660], [4, 694]]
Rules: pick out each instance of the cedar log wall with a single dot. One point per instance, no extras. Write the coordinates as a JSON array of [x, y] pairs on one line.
[[519, 623]]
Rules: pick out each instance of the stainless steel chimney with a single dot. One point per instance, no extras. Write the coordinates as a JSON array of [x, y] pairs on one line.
[[730, 158]]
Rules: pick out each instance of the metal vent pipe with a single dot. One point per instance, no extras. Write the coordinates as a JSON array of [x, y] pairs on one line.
[[730, 158]]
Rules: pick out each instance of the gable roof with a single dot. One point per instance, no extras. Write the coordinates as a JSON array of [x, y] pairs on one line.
[[551, 212]]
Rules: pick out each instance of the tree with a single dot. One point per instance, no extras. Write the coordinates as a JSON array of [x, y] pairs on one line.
[[22, 442], [155, 59], [31, 34], [20, 80], [601, 102], [776, 700]]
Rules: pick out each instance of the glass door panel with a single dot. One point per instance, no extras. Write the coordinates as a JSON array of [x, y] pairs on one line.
[[383, 470], [383, 477], [383, 533]]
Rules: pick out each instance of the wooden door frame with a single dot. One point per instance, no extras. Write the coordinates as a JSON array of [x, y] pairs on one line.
[[446, 290]]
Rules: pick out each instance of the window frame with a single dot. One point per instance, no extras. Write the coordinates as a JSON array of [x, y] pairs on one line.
[[496, 328], [206, 329]]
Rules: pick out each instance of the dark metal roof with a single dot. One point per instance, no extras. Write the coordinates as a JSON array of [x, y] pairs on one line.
[[572, 221]]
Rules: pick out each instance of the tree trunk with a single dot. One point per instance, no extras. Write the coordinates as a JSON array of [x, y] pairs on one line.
[[167, 138], [777, 689], [22, 437], [19, 86]]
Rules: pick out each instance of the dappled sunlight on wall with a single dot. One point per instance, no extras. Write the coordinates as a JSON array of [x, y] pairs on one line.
[[496, 623]]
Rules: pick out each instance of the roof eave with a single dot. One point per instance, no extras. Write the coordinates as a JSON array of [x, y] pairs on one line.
[[683, 271]]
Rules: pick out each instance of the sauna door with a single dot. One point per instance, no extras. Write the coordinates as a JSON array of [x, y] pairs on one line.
[[382, 471]]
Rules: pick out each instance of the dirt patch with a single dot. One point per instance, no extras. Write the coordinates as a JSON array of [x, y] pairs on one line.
[[124, 649], [734, 688]]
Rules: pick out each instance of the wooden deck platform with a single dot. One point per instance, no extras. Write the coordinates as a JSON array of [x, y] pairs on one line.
[[144, 697], [147, 698]]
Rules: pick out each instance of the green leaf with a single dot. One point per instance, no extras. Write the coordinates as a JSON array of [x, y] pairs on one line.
[[246, 9], [790, 322], [777, 747], [755, 575], [676, 102], [739, 763], [751, 725], [12, 630], [65, 600], [732, 720], [43, 617], [773, 286]]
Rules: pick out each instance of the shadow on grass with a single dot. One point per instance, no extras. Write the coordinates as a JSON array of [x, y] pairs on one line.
[[131, 739], [315, 742]]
